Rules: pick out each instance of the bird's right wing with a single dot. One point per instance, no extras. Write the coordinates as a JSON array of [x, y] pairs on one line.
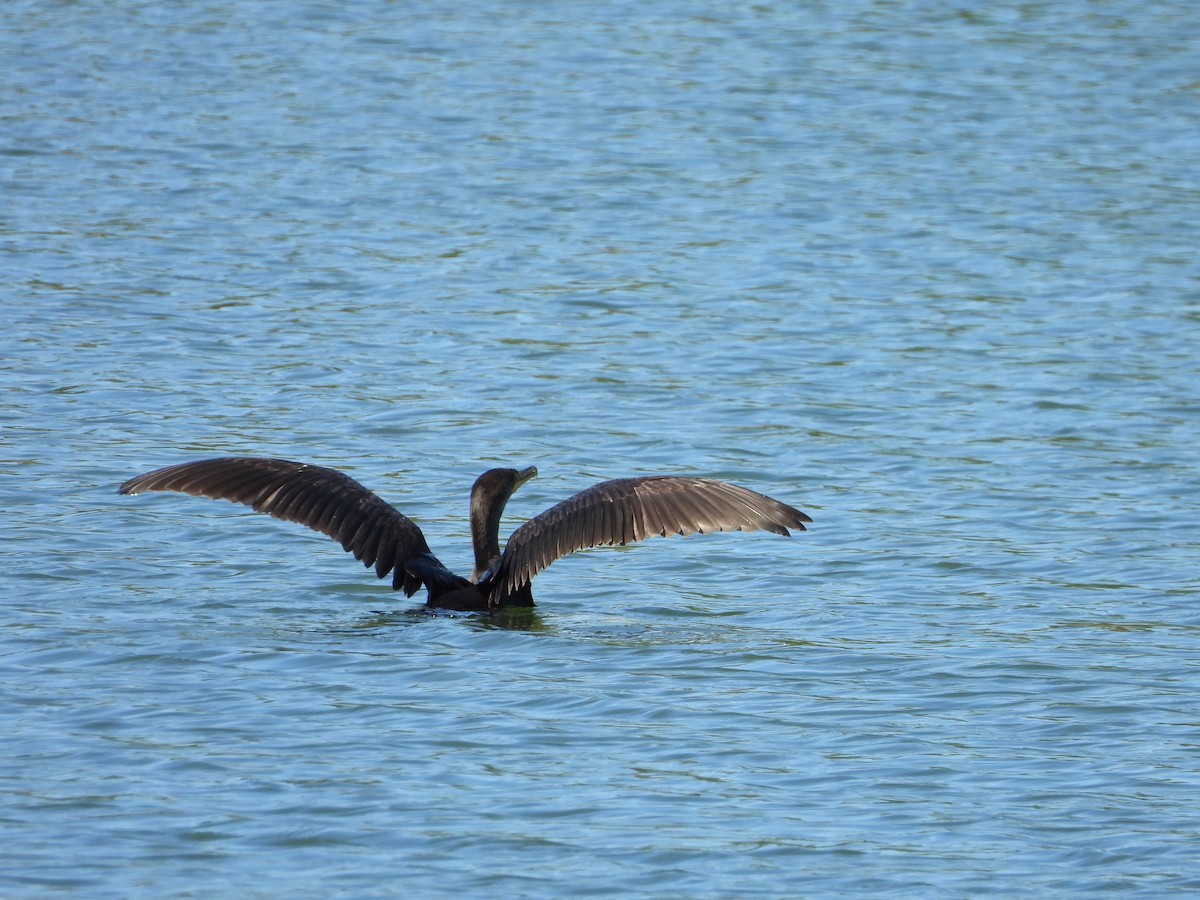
[[627, 510], [323, 499]]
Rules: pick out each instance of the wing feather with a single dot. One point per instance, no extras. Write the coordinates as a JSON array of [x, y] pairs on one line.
[[628, 510], [654, 517], [603, 525], [325, 500]]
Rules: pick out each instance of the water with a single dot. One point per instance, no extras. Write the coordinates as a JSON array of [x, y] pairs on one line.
[[928, 274]]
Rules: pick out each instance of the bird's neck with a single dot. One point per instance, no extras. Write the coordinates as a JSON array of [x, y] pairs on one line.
[[485, 531]]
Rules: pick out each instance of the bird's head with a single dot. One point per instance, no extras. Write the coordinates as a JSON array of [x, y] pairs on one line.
[[489, 494], [499, 484]]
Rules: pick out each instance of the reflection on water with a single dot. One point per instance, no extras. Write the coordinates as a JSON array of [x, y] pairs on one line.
[[506, 618]]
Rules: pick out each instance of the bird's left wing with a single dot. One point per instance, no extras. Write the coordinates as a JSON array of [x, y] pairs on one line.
[[325, 500]]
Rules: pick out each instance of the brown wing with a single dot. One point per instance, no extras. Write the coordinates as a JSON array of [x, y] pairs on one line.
[[323, 499], [632, 509]]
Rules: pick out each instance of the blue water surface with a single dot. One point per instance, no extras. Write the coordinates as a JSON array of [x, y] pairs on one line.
[[927, 272]]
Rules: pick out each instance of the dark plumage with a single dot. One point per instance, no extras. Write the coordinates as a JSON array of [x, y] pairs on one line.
[[621, 511]]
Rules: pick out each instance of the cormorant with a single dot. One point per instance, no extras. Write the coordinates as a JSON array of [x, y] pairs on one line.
[[621, 511]]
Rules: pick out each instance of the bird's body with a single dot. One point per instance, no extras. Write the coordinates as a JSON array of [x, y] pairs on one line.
[[622, 511]]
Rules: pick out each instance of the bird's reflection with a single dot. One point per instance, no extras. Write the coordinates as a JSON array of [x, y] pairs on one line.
[[505, 618]]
